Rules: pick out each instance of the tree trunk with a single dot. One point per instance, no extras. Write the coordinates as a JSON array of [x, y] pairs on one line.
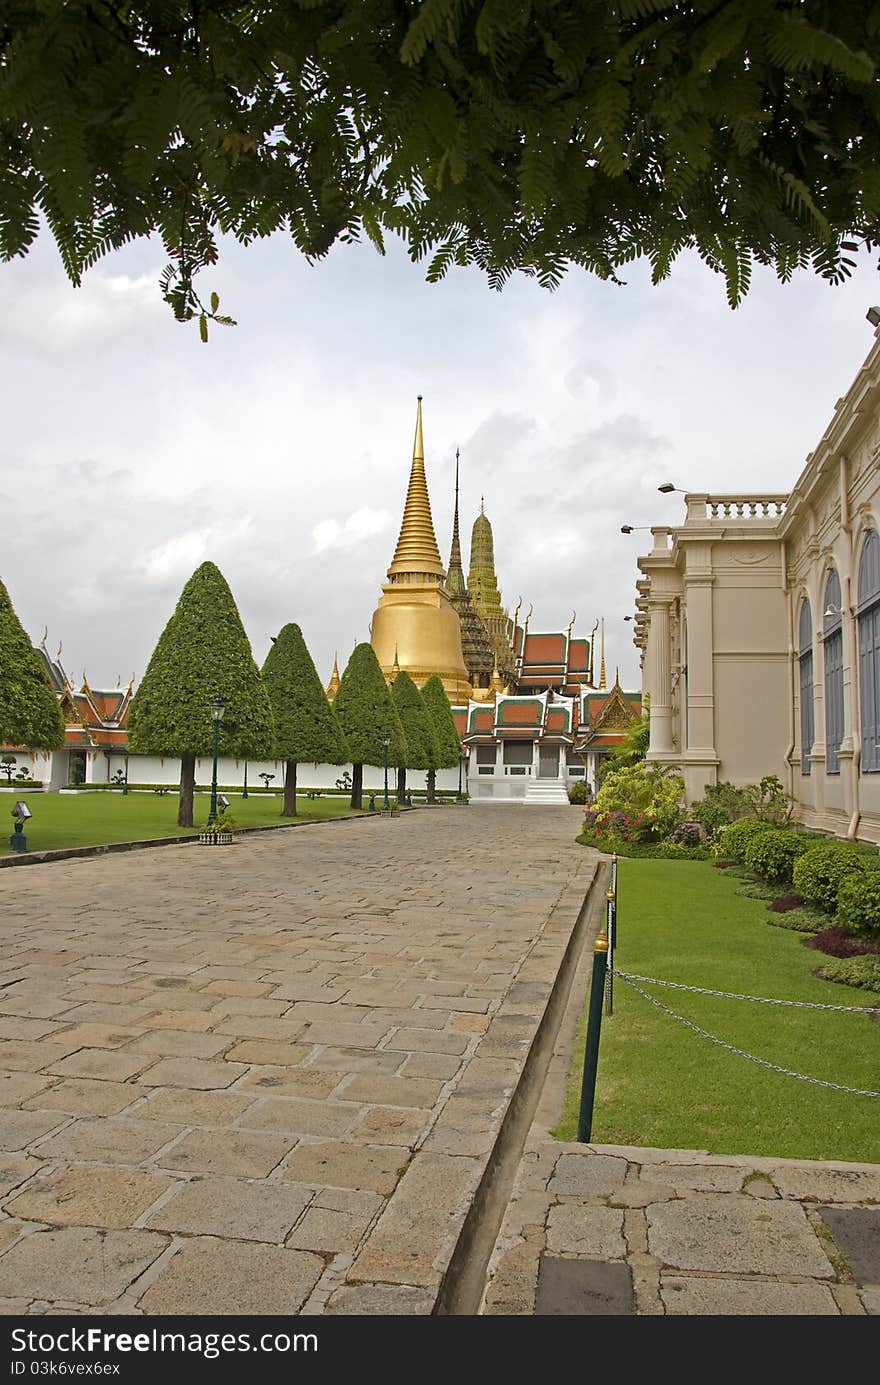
[[432, 775], [401, 784], [357, 785], [187, 784], [289, 808]]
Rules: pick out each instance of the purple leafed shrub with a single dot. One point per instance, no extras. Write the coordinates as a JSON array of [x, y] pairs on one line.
[[784, 902], [724, 865], [840, 942]]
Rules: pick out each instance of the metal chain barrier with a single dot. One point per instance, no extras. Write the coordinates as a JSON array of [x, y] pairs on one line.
[[757, 999], [731, 1048]]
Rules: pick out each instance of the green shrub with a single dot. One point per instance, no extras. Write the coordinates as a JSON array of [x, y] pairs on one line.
[[723, 804], [578, 792], [800, 920], [852, 971], [820, 872], [756, 889], [666, 851], [735, 838], [641, 802], [858, 903], [772, 855]]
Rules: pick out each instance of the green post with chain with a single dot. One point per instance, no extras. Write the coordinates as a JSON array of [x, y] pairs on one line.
[[591, 1052]]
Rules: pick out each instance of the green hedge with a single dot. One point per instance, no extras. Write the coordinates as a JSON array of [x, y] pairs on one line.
[[772, 855], [858, 903], [820, 872], [736, 837]]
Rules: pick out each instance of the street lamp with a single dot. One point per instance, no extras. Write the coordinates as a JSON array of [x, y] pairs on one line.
[[630, 528], [218, 707], [667, 488], [386, 741]]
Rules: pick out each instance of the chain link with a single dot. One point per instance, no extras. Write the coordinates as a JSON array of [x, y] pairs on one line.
[[731, 1048], [757, 999]]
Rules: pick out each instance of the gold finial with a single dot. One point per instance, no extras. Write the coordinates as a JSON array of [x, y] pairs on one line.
[[417, 552], [333, 686], [482, 504], [591, 677], [602, 664]]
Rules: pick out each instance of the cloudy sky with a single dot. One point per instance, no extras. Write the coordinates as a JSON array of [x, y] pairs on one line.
[[280, 451]]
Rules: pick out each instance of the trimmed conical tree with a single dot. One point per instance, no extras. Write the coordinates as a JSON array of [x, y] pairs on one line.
[[446, 739], [30, 714], [417, 727], [203, 652], [306, 728], [365, 710]]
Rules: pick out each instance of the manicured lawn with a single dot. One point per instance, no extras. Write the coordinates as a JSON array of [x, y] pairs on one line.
[[93, 819], [660, 1084]]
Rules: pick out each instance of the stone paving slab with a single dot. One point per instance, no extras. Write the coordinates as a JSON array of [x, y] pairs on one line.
[[269, 1080], [699, 1234]]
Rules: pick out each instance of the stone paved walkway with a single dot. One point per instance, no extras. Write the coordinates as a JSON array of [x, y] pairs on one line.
[[614, 1230], [266, 1079]]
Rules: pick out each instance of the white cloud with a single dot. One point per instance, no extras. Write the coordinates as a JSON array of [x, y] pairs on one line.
[[174, 561], [350, 533], [281, 450]]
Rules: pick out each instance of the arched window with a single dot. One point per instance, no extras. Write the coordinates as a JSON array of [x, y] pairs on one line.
[[832, 658], [805, 662], [869, 650]]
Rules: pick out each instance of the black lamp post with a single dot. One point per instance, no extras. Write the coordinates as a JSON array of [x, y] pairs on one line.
[[386, 741], [218, 707], [244, 792]]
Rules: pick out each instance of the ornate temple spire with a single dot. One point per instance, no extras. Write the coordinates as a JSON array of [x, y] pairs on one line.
[[332, 687], [483, 590], [476, 644], [417, 553], [455, 582]]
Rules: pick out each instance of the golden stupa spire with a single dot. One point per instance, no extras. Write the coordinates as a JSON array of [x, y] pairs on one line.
[[417, 551], [333, 686], [602, 664]]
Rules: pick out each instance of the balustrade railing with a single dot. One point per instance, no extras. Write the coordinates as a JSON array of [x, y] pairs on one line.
[[737, 507]]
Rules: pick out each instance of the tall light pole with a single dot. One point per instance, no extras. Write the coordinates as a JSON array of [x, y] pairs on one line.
[[218, 707], [386, 741]]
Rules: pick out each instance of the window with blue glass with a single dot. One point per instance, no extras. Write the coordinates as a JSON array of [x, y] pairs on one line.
[[805, 663], [832, 658], [869, 650]]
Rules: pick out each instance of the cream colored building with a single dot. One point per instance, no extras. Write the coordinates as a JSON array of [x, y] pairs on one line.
[[759, 624]]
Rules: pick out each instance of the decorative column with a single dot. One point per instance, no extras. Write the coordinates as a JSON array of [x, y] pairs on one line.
[[660, 742], [698, 739]]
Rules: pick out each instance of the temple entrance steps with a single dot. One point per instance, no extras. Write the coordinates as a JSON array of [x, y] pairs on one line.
[[546, 791]]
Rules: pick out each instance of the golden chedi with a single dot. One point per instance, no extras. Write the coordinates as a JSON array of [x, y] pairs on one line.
[[415, 623]]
